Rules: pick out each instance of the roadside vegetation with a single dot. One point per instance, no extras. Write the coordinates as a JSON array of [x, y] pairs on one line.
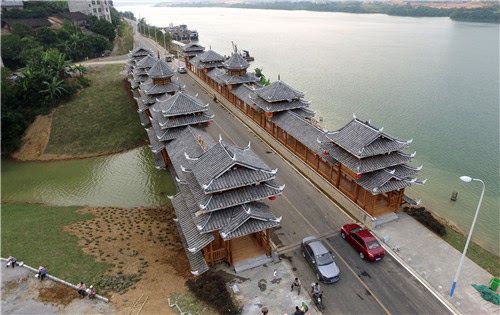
[[34, 234], [125, 40], [153, 32], [485, 259], [211, 288], [100, 119]]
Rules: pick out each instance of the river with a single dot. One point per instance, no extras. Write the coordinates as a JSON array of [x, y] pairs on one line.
[[127, 179], [431, 79]]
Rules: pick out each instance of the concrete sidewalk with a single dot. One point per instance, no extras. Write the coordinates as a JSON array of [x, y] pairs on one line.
[[432, 259]]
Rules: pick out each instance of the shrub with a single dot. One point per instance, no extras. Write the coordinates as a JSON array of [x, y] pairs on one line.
[[211, 288], [427, 219]]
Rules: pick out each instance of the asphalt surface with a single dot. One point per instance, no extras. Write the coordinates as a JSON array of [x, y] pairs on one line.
[[364, 288]]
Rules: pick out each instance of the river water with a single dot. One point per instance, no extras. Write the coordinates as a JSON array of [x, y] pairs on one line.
[[127, 179], [431, 79]]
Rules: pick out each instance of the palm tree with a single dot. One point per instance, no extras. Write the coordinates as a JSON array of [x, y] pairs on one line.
[[54, 90]]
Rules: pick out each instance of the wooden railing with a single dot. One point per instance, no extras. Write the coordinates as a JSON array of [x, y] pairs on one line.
[[215, 256]]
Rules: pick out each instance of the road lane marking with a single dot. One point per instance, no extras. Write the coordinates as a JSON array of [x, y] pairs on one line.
[[338, 255]]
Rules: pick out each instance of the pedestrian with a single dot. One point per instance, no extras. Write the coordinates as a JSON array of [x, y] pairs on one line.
[[81, 289], [315, 289], [298, 311], [42, 273], [296, 284], [92, 292], [12, 262], [265, 310]]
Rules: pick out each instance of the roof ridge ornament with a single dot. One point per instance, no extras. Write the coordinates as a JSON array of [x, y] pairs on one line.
[[190, 158], [248, 211], [354, 116], [420, 167], [278, 220]]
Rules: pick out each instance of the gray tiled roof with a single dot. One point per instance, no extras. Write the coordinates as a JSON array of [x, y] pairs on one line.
[[236, 62], [159, 162], [362, 139], [146, 62], [147, 99], [160, 69], [140, 51], [155, 144], [239, 177], [192, 47], [194, 240], [205, 65], [222, 77], [180, 104], [186, 120], [389, 179], [149, 88], [231, 198], [304, 112], [211, 56], [196, 260], [369, 164], [279, 91], [144, 118], [254, 218], [250, 97], [300, 129], [187, 143], [220, 159]]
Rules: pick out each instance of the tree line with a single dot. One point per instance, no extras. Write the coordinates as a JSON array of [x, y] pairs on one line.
[[490, 14]]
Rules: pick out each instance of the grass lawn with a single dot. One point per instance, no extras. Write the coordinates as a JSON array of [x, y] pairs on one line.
[[486, 260], [33, 234], [101, 118]]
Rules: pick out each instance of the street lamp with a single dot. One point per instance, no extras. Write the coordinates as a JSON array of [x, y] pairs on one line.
[[467, 179]]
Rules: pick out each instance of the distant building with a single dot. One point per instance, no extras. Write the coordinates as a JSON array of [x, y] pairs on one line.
[[12, 4], [99, 8], [78, 19], [7, 24]]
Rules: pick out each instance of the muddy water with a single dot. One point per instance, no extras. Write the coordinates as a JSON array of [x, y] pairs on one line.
[[127, 179]]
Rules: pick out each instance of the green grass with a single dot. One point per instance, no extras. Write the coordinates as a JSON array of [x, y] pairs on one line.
[[189, 303], [486, 260], [33, 234], [101, 118]]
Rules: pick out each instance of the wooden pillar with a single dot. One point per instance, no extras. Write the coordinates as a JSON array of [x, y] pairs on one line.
[[211, 248], [372, 207], [230, 253], [400, 199], [165, 156], [338, 176], [295, 146], [356, 193], [317, 162], [268, 242], [389, 196]]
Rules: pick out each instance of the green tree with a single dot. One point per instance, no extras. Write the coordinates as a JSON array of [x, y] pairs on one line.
[[54, 90], [46, 35], [102, 27], [21, 29]]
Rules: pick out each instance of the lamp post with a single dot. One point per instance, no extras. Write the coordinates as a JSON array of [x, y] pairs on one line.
[[467, 179]]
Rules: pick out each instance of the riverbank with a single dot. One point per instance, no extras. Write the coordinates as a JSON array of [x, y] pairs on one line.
[[486, 12], [99, 120], [92, 243]]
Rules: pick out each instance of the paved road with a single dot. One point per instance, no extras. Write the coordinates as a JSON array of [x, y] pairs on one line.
[[383, 287]]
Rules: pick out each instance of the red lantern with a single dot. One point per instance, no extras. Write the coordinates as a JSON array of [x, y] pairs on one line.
[[358, 175], [325, 153], [208, 123], [315, 155], [283, 131], [269, 114], [272, 198]]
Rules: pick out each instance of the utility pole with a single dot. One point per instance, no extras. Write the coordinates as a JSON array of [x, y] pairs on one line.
[[156, 40], [149, 31]]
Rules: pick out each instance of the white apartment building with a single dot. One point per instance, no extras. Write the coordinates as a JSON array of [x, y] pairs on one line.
[[99, 8]]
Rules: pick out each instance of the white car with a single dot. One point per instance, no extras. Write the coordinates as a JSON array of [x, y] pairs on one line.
[[181, 70]]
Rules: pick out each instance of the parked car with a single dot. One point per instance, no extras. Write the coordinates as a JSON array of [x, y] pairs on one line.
[[320, 259], [363, 241], [106, 53], [168, 58], [181, 70]]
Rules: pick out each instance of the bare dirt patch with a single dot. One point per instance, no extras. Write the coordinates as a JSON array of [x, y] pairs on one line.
[[35, 139], [57, 294], [140, 241]]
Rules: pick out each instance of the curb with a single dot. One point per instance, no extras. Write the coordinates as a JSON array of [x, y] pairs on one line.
[[58, 280]]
